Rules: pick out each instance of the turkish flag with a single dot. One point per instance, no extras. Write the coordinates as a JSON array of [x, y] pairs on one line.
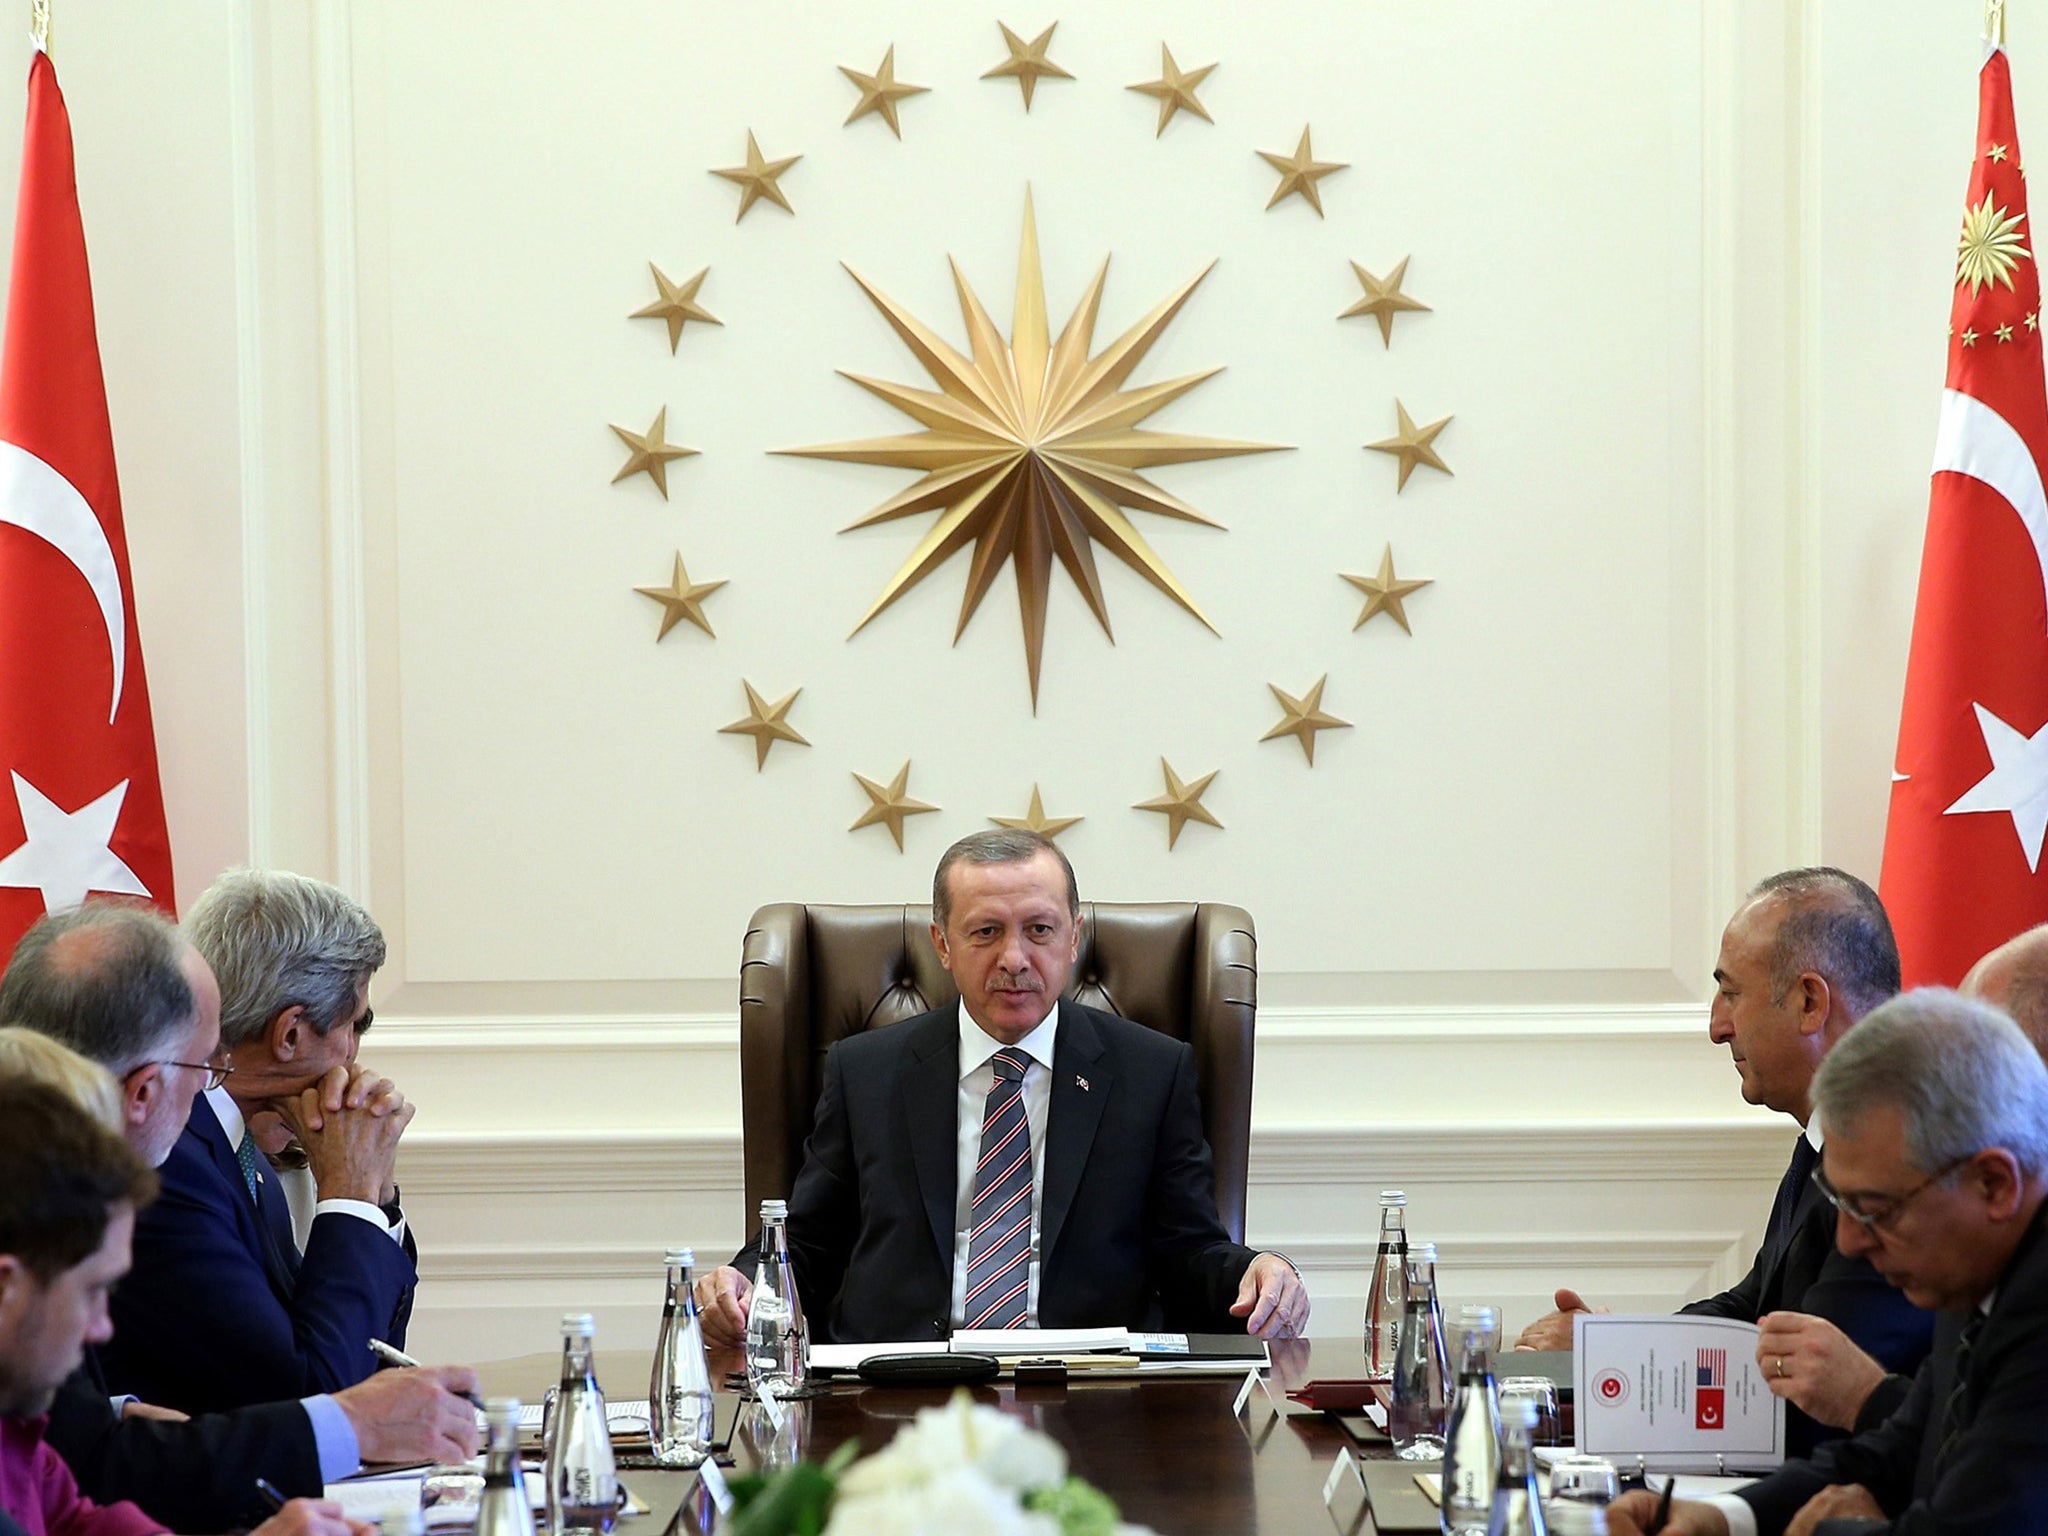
[[1969, 807], [81, 809], [1708, 1411]]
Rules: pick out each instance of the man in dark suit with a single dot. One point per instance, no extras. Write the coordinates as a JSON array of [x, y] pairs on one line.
[[118, 984], [1936, 1112], [1808, 953], [1016, 1161], [222, 1309]]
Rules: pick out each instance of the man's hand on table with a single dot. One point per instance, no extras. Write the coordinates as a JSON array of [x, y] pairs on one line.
[[722, 1305], [415, 1414], [1812, 1364], [1271, 1299], [1553, 1330], [1636, 1511], [312, 1517]]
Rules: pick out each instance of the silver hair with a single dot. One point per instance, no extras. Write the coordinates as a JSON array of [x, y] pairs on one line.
[[1960, 1073], [277, 940]]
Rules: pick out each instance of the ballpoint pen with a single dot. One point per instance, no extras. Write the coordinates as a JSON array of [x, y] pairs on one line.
[[1663, 1506], [392, 1355], [270, 1495]]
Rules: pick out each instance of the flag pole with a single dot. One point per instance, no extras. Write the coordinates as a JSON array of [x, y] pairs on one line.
[[1994, 21], [39, 24]]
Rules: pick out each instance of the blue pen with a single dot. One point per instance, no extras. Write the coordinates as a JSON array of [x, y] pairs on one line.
[[271, 1496]]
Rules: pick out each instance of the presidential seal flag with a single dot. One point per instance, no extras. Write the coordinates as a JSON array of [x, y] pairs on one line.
[[81, 811], [1969, 801]]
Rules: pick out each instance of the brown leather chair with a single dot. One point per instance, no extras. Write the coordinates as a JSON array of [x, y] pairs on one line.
[[812, 975]]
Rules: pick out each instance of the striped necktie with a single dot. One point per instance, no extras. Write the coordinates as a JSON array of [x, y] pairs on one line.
[[999, 1245]]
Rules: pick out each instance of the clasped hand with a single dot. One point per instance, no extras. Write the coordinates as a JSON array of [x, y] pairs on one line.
[[349, 1123]]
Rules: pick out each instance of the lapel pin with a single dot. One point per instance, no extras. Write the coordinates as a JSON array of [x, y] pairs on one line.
[[1080, 1082]]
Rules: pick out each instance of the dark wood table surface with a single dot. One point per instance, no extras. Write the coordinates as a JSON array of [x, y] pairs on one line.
[[1167, 1449]]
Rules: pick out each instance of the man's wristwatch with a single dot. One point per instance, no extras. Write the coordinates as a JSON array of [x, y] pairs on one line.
[[393, 1213]]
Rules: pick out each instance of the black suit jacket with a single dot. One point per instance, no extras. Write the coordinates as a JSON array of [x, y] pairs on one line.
[[1798, 1268], [196, 1476], [1128, 1235], [215, 1316], [1991, 1478]]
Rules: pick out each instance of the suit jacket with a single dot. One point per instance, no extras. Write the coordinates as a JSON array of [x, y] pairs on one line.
[[196, 1476], [218, 1313], [1986, 1470], [1128, 1234], [1798, 1268]]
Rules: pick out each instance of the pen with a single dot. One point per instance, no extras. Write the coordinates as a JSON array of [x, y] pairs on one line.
[[392, 1355], [1663, 1507], [271, 1496]]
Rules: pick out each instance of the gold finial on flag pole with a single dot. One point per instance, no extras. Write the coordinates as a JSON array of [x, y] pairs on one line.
[[1994, 23]]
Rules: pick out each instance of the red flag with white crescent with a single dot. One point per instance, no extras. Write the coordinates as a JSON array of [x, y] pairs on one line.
[[1963, 868], [81, 809]]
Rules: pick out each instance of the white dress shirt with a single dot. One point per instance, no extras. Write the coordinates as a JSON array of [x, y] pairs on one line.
[[977, 1075]]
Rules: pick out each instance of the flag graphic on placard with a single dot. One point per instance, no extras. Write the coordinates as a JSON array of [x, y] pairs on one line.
[[81, 809], [1969, 803], [1710, 1390]]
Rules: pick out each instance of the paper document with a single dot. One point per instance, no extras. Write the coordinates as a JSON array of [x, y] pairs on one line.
[[626, 1417], [1043, 1341], [1677, 1393]]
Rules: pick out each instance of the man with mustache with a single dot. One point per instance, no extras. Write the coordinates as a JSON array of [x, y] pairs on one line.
[[910, 1216]]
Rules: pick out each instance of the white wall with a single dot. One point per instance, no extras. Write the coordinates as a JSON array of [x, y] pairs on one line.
[[363, 273]]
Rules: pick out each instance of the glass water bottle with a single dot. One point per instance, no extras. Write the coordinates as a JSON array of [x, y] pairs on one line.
[[778, 1343], [1472, 1440], [583, 1480], [1416, 1420], [679, 1403], [1517, 1503], [1389, 1287], [504, 1509]]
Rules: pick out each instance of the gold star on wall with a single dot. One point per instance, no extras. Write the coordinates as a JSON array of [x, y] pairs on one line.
[[1384, 299], [681, 599], [1384, 593], [889, 805], [766, 723], [1031, 451], [880, 92], [1027, 62], [651, 452], [1299, 173], [1035, 819], [677, 305], [1412, 445], [1304, 717], [757, 178], [1182, 803], [1175, 89]]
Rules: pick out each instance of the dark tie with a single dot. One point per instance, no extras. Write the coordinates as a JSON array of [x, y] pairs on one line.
[[1952, 1410], [1784, 1229], [273, 1211], [999, 1245]]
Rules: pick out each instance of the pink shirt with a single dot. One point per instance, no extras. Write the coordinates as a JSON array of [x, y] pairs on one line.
[[38, 1490]]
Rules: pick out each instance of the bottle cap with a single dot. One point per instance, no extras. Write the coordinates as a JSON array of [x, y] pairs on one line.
[[680, 1256], [578, 1325], [1485, 1319], [1393, 1199], [1423, 1251], [500, 1408], [775, 1210], [1519, 1410]]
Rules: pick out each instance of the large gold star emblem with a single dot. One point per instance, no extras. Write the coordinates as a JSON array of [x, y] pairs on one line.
[[681, 599], [1384, 299], [758, 178], [1304, 717], [766, 723], [1412, 445], [677, 305], [888, 805], [1299, 173], [1175, 89], [1385, 593], [1990, 246], [1027, 62], [1031, 450], [650, 452], [1035, 819], [880, 92], [1182, 802]]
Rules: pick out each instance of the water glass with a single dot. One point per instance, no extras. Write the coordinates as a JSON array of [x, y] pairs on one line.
[[1584, 1480], [1539, 1391]]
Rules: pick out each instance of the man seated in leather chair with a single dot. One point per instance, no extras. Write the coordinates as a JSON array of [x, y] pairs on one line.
[[1017, 1160]]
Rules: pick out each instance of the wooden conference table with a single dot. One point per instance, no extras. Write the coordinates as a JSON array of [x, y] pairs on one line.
[[1167, 1449]]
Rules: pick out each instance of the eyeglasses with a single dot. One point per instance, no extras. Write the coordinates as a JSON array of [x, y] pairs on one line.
[[1875, 1215], [216, 1072]]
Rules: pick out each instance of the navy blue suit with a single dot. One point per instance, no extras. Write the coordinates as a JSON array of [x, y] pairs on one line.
[[220, 1311], [1128, 1235]]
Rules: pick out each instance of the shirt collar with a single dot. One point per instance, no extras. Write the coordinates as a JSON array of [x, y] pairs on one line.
[[1814, 1139], [229, 1113], [977, 1045]]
